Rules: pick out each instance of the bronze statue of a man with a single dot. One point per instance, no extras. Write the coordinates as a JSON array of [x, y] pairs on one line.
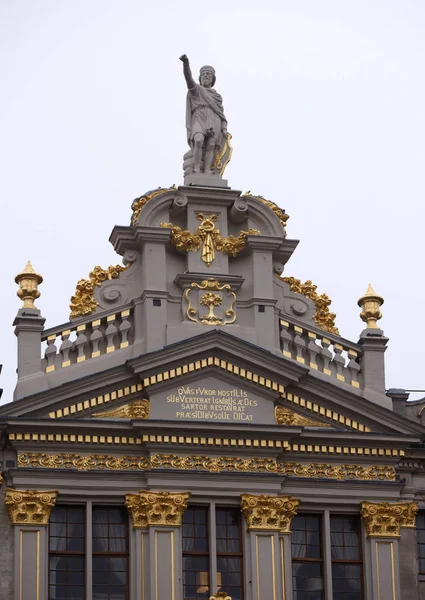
[[205, 121]]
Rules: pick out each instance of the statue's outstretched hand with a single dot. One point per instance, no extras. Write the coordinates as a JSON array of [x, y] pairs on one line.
[[184, 58]]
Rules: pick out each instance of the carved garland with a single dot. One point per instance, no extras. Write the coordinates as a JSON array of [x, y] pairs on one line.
[[83, 302], [29, 507], [156, 508], [385, 519], [273, 513], [209, 238], [323, 318], [139, 203], [211, 464], [280, 214]]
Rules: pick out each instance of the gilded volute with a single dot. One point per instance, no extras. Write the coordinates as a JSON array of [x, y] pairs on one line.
[[149, 509]]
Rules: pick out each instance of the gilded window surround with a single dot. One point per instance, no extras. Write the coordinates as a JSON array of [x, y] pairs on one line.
[[210, 464], [150, 509], [30, 507], [269, 513]]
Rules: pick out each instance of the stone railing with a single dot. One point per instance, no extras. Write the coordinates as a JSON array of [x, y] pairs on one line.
[[322, 351], [70, 344]]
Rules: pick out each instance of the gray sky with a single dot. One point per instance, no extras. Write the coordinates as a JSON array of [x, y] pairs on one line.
[[325, 101]]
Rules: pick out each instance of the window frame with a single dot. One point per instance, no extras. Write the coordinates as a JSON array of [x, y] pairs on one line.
[[360, 561]]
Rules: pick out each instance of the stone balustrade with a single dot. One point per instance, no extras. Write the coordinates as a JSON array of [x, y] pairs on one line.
[[76, 343], [323, 352]]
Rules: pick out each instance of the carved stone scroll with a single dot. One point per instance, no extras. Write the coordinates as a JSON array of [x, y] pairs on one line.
[[149, 509], [30, 507], [272, 513]]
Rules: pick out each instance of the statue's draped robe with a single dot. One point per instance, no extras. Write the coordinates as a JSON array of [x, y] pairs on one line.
[[204, 113]]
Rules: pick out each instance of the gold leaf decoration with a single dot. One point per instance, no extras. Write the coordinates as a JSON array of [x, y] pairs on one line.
[[139, 203], [149, 509], [139, 409], [211, 464], [282, 216], [272, 513], [83, 302], [29, 507], [384, 519], [323, 318], [209, 237], [286, 416]]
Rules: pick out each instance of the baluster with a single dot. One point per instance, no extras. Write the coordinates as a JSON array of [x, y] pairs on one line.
[[312, 350], [110, 331], [299, 344], [339, 362], [124, 328], [50, 353], [81, 343], [354, 368], [95, 338], [286, 338], [65, 348], [326, 357]]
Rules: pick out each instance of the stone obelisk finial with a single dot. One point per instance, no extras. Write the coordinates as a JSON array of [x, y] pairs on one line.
[[370, 304], [28, 282]]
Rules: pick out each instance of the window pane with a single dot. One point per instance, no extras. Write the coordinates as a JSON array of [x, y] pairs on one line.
[[347, 577], [195, 554], [420, 534], [307, 563], [229, 552]]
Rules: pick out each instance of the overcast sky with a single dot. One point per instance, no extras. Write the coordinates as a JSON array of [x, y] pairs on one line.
[[326, 104]]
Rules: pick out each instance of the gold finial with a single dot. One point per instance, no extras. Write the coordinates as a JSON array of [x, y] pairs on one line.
[[28, 282], [370, 304]]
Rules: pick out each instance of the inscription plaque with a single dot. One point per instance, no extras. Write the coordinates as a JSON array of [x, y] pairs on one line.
[[212, 400]]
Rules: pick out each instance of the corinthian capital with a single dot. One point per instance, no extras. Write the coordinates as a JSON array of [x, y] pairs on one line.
[[156, 508], [30, 507], [384, 519], [273, 513]]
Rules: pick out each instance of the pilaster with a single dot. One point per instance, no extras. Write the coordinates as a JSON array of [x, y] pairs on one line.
[[29, 325], [268, 520], [157, 519], [383, 522], [374, 344], [29, 512]]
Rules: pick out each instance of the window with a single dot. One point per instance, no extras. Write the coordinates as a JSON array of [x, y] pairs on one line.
[[307, 557], [346, 557], [68, 561], [67, 553], [420, 537], [198, 522]]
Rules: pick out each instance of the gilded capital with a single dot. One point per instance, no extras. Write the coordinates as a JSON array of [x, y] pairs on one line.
[[147, 509], [29, 507], [28, 282], [370, 304], [273, 513], [384, 519], [220, 596]]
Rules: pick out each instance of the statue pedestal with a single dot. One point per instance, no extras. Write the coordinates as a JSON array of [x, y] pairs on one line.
[[205, 180]]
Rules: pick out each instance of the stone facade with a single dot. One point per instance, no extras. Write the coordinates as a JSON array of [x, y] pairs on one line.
[[195, 381]]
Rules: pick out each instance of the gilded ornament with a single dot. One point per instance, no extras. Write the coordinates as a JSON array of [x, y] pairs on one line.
[[139, 203], [149, 509], [323, 318], [384, 519], [211, 300], [29, 507], [223, 155], [272, 513], [211, 464], [280, 214], [220, 596], [370, 304], [139, 409], [209, 238], [83, 302], [1, 478], [286, 416], [28, 282]]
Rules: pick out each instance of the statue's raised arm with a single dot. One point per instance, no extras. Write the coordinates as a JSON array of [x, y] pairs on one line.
[[187, 72]]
